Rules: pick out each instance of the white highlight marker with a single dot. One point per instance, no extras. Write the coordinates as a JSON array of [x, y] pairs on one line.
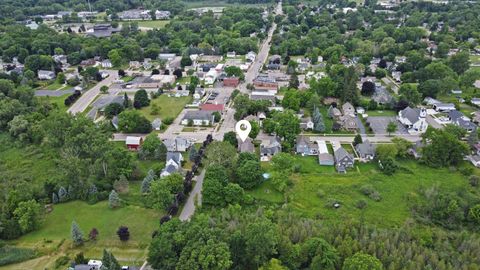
[[243, 128]]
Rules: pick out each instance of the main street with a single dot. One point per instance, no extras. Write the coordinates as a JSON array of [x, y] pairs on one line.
[[86, 98]]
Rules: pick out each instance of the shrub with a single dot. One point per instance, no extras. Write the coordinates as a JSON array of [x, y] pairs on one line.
[[474, 180], [168, 120], [61, 261], [375, 196], [361, 204]]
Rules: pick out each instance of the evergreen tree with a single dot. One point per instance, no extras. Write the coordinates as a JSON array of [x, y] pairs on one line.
[[126, 101], [76, 233], [357, 140], [62, 194], [113, 199], [92, 194], [54, 198], [123, 233], [318, 123], [109, 262], [192, 154], [145, 188], [71, 192]]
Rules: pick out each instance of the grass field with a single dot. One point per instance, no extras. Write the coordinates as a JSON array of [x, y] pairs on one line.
[[216, 3], [316, 187], [149, 24], [169, 107], [34, 165], [58, 102], [53, 238], [381, 113]]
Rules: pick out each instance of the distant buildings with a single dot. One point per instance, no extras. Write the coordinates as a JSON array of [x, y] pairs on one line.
[[102, 30]]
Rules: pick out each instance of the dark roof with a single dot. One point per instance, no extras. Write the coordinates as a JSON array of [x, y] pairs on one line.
[[175, 156], [246, 146], [411, 114], [455, 115], [198, 115], [365, 148], [341, 153]]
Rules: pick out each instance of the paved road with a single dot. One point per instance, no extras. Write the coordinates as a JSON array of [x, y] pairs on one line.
[[90, 95], [189, 208], [378, 138]]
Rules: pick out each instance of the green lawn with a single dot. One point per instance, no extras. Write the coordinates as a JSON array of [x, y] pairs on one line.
[[169, 107], [315, 187], [381, 113], [150, 24], [58, 102], [53, 238]]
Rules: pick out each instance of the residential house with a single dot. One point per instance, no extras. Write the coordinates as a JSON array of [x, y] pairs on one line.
[[459, 119], [477, 84], [88, 62], [61, 59], [305, 148], [343, 160], [91, 265], [349, 122], [269, 149], [414, 119], [306, 123], [177, 144], [334, 112], [231, 54], [397, 75], [166, 56], [155, 81], [348, 109], [133, 143], [476, 117], [106, 63], [476, 147], [210, 58], [246, 146], [430, 101], [134, 64], [360, 110], [250, 57], [366, 151], [475, 160], [475, 101], [324, 157], [46, 75], [444, 107], [157, 124], [198, 118], [173, 164], [275, 59], [147, 63]]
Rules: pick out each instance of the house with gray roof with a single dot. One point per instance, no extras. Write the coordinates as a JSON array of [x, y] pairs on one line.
[[343, 160], [459, 119], [306, 123], [366, 151], [198, 118], [413, 119], [304, 147], [46, 75], [246, 146], [324, 157], [270, 148], [156, 124], [177, 144], [348, 109], [173, 164]]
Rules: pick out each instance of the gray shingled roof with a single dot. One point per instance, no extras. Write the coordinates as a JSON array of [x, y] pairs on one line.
[[341, 153], [365, 148], [411, 114], [175, 156], [198, 115]]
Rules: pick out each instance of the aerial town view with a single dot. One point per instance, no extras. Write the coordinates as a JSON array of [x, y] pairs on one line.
[[239, 134]]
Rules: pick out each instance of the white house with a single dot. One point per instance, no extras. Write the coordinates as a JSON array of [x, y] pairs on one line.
[[46, 75], [106, 63], [476, 101], [173, 164], [211, 77], [475, 160], [414, 119], [250, 57], [198, 118], [444, 107]]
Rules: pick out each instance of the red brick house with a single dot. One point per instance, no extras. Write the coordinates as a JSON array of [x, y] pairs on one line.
[[231, 81]]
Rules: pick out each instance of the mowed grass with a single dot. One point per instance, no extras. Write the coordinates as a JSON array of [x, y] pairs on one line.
[[151, 24], [53, 240], [57, 102], [382, 113], [316, 187], [168, 107]]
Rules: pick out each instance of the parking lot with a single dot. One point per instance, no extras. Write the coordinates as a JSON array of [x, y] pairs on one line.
[[379, 124], [219, 95]]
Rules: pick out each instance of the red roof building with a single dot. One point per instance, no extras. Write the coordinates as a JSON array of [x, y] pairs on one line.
[[231, 82], [133, 143], [212, 107]]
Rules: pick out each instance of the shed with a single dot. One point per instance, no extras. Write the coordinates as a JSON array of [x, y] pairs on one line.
[[133, 143]]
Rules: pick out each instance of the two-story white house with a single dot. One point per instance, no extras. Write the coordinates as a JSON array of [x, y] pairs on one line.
[[414, 119]]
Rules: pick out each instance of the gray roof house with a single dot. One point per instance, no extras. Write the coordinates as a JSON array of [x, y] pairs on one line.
[[173, 164], [366, 151], [268, 150], [46, 75], [156, 124], [343, 160], [334, 112], [246, 146], [305, 148], [178, 144], [348, 109], [198, 118], [306, 123], [459, 119]]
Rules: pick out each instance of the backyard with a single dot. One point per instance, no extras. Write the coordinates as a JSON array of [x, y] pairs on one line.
[[315, 188], [53, 239], [169, 107]]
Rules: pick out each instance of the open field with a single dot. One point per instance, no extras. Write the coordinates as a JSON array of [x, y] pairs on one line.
[[315, 188], [381, 113], [216, 3], [53, 238], [149, 23], [58, 102], [168, 107]]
